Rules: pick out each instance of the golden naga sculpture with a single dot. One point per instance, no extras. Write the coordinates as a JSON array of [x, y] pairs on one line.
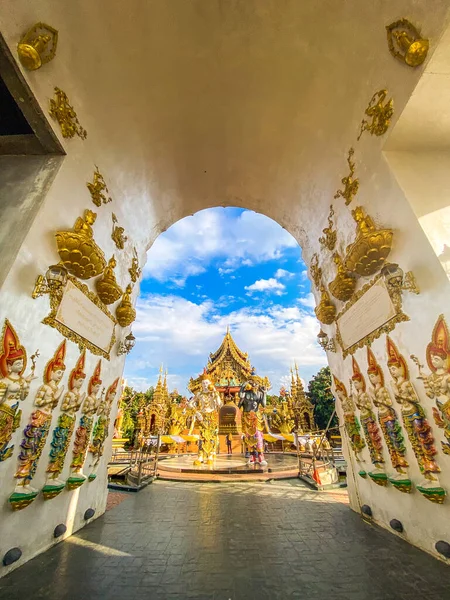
[[125, 312], [343, 285], [64, 113], [325, 310], [117, 235], [98, 189], [135, 271], [405, 43], [315, 271], [108, 289], [77, 249], [38, 46], [371, 247], [379, 113], [351, 184], [329, 239]]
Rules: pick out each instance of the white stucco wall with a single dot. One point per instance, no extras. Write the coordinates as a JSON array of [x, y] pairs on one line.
[[189, 105]]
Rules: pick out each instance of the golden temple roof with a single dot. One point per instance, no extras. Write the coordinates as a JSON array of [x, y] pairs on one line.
[[227, 366]]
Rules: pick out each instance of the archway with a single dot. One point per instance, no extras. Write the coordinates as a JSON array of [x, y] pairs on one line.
[[237, 105]]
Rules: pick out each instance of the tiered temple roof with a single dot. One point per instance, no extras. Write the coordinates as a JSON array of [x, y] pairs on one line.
[[228, 367]]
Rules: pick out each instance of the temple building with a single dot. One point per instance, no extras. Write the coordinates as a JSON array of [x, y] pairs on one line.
[[302, 407], [228, 368]]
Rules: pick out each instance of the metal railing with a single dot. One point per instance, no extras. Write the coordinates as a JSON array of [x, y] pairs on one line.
[[139, 465]]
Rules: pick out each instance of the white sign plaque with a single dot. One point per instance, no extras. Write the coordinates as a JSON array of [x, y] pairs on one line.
[[367, 314], [77, 312]]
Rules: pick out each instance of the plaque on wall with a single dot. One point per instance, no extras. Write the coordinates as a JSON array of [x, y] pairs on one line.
[[82, 318], [370, 314]]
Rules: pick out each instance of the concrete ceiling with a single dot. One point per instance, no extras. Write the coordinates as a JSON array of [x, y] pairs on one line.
[[224, 102]]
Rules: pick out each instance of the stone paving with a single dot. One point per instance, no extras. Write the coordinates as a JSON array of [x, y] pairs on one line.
[[230, 541]]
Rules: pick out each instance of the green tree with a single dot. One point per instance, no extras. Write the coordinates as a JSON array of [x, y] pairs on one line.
[[319, 393], [131, 403]]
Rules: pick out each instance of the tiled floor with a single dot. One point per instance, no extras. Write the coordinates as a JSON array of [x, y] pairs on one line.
[[230, 541]]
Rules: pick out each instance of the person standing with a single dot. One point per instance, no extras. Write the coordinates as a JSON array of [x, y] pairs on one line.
[[229, 449]]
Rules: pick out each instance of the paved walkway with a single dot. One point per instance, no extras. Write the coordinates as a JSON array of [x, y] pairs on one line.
[[230, 541]]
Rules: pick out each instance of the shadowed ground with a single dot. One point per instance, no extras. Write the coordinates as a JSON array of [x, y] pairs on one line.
[[230, 541]]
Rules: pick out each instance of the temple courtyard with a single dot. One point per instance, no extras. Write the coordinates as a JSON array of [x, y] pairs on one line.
[[272, 540]]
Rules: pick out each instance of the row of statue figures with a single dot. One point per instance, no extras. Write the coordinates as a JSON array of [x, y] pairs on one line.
[[14, 389], [418, 429], [241, 406]]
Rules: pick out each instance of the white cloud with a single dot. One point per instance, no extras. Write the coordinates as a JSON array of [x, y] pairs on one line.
[[308, 301], [190, 245], [264, 285], [180, 334], [281, 273]]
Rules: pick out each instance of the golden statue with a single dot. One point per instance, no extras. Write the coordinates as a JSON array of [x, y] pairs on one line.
[[371, 247], [125, 312], [118, 234], [406, 44], [206, 404], [343, 285], [78, 251], [325, 310], [108, 289]]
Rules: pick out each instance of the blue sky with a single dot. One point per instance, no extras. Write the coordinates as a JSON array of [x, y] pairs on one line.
[[220, 267]]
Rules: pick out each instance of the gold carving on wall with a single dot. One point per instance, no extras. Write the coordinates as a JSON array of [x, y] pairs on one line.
[[64, 113], [125, 312], [108, 289], [135, 271], [351, 184], [55, 301], [343, 285], [380, 112], [77, 249], [330, 236], [38, 46], [371, 247], [405, 43], [325, 310], [315, 271], [387, 327], [117, 234], [98, 189]]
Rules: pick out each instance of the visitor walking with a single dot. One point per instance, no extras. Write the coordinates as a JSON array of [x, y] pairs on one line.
[[229, 449]]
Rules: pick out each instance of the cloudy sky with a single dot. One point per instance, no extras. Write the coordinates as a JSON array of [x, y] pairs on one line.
[[224, 267]]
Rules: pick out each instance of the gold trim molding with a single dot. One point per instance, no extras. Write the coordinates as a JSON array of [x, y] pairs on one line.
[[50, 319], [386, 328]]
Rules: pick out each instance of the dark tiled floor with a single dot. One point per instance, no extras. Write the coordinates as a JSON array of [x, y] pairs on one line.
[[230, 541]]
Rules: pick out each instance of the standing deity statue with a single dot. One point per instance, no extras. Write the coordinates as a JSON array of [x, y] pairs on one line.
[[252, 400], [101, 428], [416, 425], [14, 387], [36, 432], [351, 423], [83, 432], [206, 404], [369, 424], [437, 383], [62, 433], [390, 426]]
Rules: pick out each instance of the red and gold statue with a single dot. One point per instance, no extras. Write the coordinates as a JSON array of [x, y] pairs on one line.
[[390, 426], [352, 426], [415, 422], [62, 433], [36, 432], [83, 432], [437, 383], [14, 387], [369, 424], [101, 428]]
